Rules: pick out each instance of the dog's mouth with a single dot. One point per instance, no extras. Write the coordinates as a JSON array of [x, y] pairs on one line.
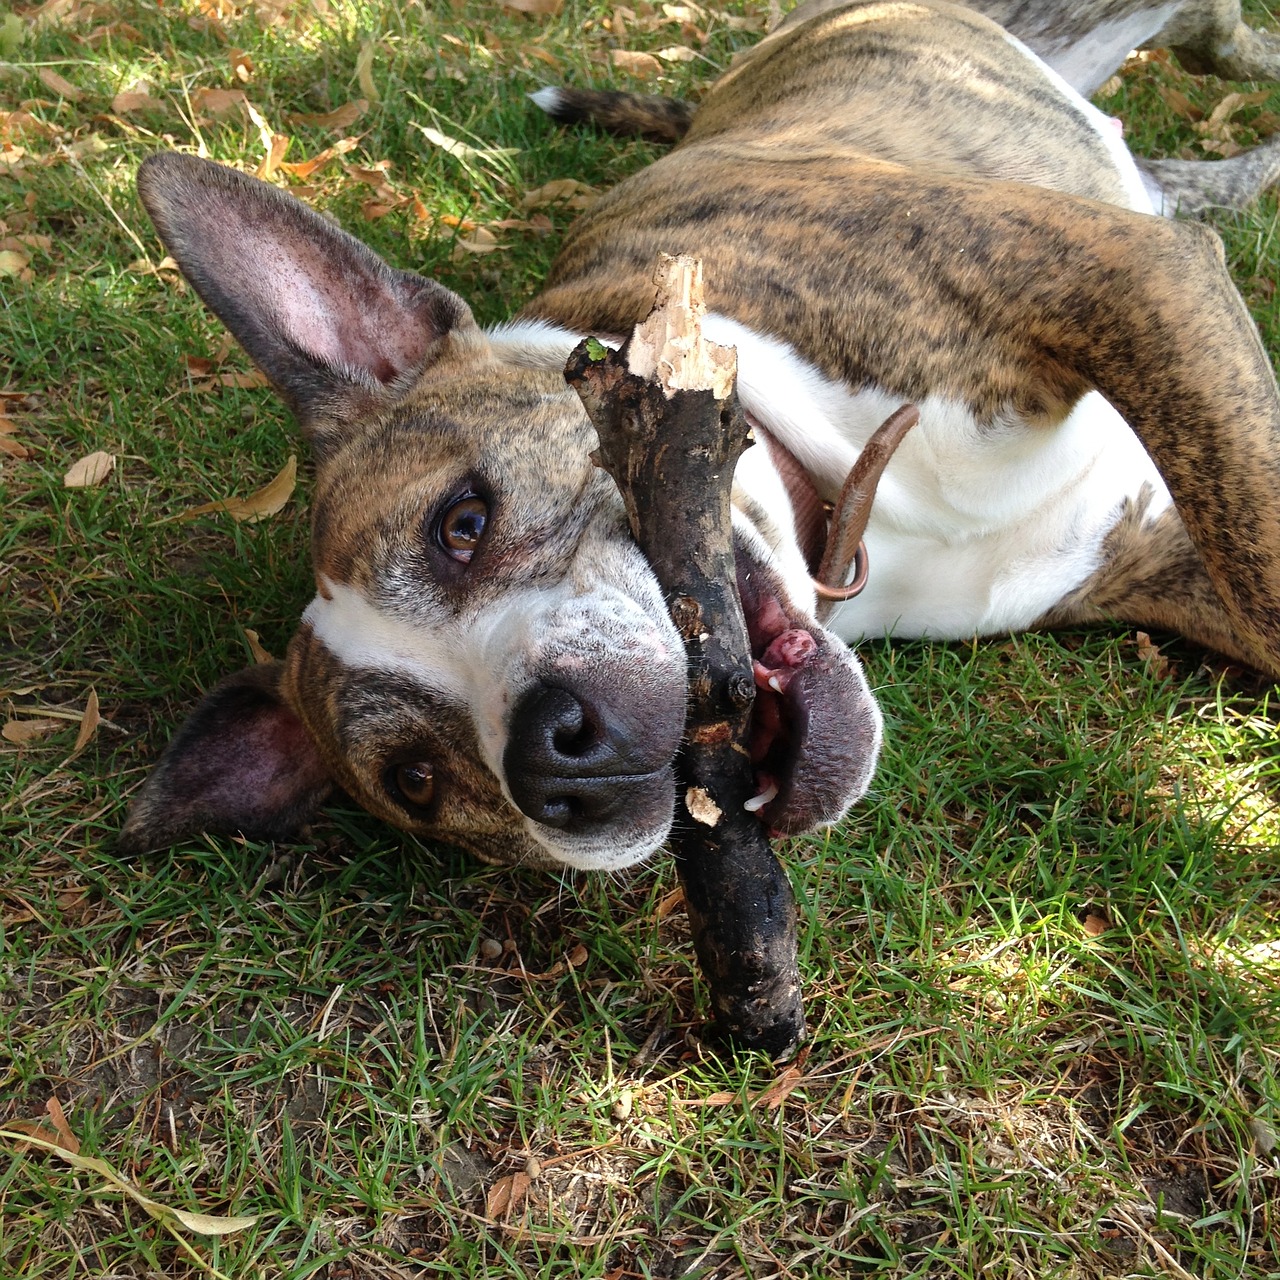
[[815, 728]]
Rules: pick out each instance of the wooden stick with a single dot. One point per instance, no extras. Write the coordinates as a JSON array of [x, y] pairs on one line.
[[671, 433]]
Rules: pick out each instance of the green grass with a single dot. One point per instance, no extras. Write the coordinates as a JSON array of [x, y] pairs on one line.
[[1042, 962]]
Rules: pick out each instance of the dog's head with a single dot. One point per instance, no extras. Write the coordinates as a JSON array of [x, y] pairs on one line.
[[488, 659]]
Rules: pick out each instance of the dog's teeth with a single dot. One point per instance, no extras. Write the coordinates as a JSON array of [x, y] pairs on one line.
[[775, 684], [756, 803]]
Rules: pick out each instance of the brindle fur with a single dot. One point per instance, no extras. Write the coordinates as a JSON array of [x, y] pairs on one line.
[[978, 257]]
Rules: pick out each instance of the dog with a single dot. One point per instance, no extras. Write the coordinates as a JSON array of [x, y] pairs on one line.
[[893, 202]]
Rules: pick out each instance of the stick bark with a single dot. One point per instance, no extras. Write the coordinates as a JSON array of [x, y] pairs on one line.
[[671, 433]]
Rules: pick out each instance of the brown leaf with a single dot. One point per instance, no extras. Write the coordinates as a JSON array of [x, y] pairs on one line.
[[567, 191], [1095, 925], [241, 65], [66, 1139], [539, 54], [64, 88], [341, 118], [89, 471], [1178, 102], [534, 6], [676, 53], [245, 381], [305, 168], [1232, 103], [12, 449], [24, 731], [1151, 655], [643, 65], [218, 102], [257, 506], [771, 1098], [19, 243], [13, 262], [89, 723], [260, 655], [507, 1194], [127, 101]]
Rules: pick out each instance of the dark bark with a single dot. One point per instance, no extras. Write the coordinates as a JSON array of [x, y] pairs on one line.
[[672, 453]]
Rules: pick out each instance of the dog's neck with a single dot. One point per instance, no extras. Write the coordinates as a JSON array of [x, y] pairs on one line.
[[810, 512]]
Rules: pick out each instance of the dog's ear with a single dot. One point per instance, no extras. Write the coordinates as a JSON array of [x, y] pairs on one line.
[[332, 326], [242, 764]]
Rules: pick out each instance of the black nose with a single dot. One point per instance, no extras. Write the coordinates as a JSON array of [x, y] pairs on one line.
[[574, 764]]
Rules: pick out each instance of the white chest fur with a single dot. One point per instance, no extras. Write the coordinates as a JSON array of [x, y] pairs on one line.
[[975, 529]]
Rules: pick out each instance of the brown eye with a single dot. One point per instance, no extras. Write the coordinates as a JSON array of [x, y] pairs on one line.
[[461, 527], [414, 783]]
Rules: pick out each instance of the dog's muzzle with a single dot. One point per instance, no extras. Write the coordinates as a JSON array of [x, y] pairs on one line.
[[580, 764]]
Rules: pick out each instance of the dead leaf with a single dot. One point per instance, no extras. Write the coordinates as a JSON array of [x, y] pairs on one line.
[[670, 902], [66, 1139], [244, 381], [567, 191], [218, 102], [20, 243], [481, 240], [12, 449], [13, 262], [201, 1223], [260, 655], [305, 168], [1095, 925], [1151, 655], [241, 65], [534, 6], [1111, 87], [341, 118], [771, 1098], [364, 71], [89, 471], [1233, 102], [89, 723], [643, 65], [506, 1195], [1178, 102], [464, 150], [265, 502], [676, 53], [539, 54], [25, 731], [64, 88], [126, 101]]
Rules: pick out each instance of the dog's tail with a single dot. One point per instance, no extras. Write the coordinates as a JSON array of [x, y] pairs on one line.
[[629, 115]]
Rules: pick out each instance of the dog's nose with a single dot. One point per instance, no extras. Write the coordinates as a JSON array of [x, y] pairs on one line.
[[574, 764]]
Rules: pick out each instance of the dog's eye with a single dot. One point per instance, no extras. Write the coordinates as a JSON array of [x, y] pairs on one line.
[[461, 527], [413, 783]]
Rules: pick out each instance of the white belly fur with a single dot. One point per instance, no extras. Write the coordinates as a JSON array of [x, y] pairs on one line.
[[974, 531]]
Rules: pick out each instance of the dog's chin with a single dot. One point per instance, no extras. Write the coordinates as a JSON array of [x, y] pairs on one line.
[[816, 728]]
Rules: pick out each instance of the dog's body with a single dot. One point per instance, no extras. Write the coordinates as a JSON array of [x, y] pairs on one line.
[[892, 202]]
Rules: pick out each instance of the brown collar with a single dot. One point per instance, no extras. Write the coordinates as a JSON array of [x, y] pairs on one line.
[[830, 534]]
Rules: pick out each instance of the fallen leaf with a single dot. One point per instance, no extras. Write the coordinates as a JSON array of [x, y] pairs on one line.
[[13, 262], [341, 118], [364, 71], [1110, 88], [537, 52], [771, 1098], [19, 243], [66, 1139], [244, 381], [24, 731], [1151, 655], [88, 724], [258, 505], [1178, 102], [1229, 105], [305, 168], [64, 88], [1095, 925], [534, 6], [481, 240], [201, 1223], [260, 655], [126, 101], [89, 471], [567, 191], [12, 449], [507, 1194], [464, 150], [241, 65], [218, 102], [643, 65], [676, 53]]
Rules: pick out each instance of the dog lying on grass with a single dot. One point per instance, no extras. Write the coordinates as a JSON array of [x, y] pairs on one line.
[[893, 202]]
